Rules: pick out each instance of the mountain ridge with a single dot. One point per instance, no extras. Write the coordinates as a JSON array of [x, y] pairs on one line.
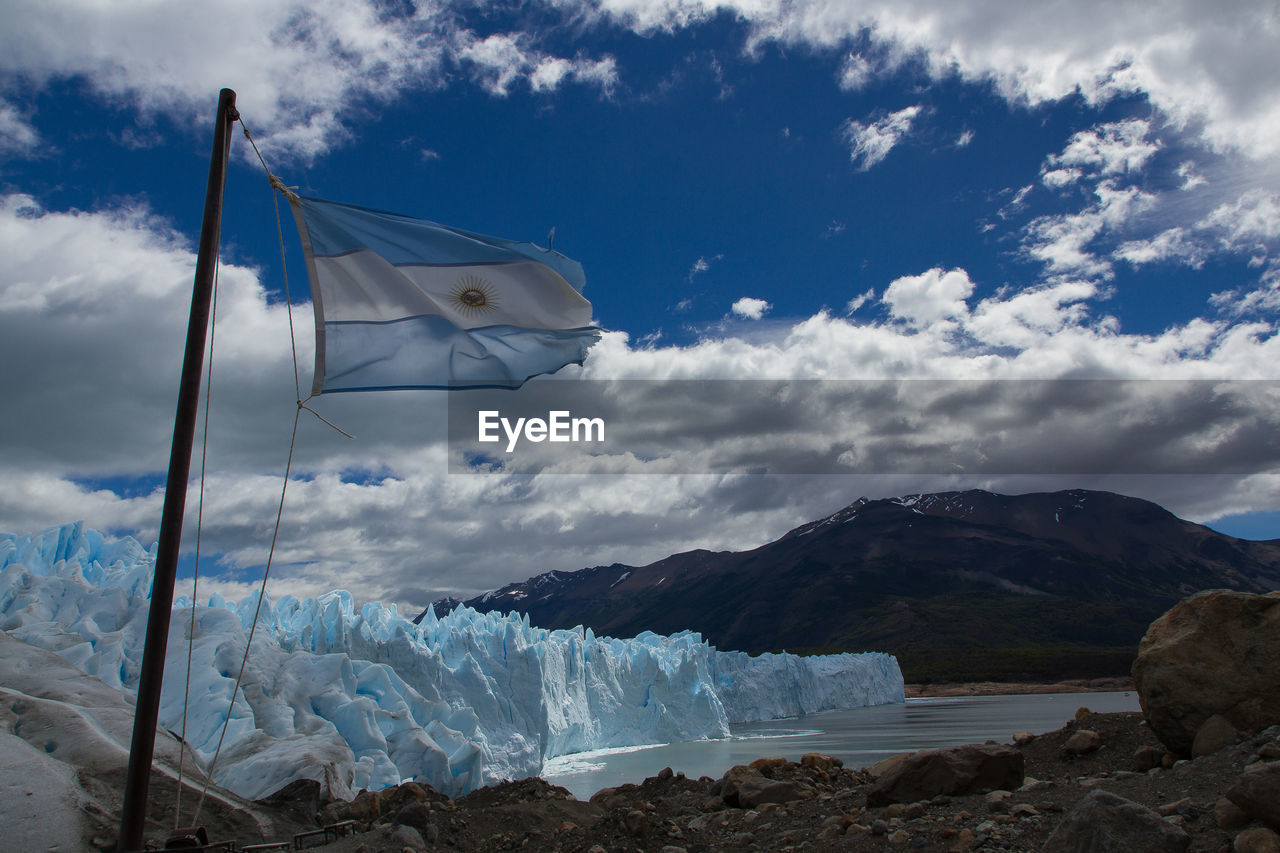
[[967, 585]]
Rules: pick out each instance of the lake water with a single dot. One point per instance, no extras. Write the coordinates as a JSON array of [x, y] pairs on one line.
[[860, 737]]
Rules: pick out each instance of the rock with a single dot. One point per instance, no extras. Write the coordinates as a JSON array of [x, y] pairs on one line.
[[755, 791], [885, 765], [1258, 840], [409, 837], [1145, 758], [768, 765], [818, 761], [962, 770], [1227, 815], [1216, 652], [599, 798], [1269, 752], [1257, 791], [365, 808], [1103, 822], [1023, 738], [419, 816], [300, 797], [1214, 734], [1175, 807], [1082, 742], [732, 781], [996, 800], [1022, 810], [1083, 713], [634, 821]]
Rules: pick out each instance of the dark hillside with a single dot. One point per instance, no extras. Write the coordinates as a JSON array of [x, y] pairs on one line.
[[959, 585]]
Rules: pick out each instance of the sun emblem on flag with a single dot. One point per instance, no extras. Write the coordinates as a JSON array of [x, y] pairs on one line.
[[473, 296]]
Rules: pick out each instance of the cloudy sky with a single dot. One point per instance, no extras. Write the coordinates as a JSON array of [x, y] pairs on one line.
[[800, 190]]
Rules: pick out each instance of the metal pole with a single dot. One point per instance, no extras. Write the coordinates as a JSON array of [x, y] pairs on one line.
[[147, 709]]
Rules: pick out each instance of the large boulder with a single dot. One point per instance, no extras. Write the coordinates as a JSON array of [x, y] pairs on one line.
[[1103, 822], [1258, 793], [973, 769], [1216, 652]]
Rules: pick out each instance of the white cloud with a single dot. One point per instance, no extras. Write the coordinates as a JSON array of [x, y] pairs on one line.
[[1062, 243], [702, 264], [855, 72], [1190, 177], [17, 136], [110, 334], [501, 60], [1058, 178], [1115, 148], [963, 140], [929, 298], [871, 143], [861, 299], [296, 67], [750, 307], [1252, 220], [1199, 64], [1025, 319], [549, 73], [1172, 243], [1105, 160], [379, 514]]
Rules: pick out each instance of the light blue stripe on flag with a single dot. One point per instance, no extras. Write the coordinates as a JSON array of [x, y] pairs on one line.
[[406, 303], [377, 356]]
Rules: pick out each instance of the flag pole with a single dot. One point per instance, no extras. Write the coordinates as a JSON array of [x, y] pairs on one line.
[[147, 708]]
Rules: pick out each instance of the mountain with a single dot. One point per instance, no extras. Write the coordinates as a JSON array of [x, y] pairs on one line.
[[959, 585]]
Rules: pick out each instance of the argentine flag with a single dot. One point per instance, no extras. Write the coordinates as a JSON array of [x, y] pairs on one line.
[[406, 303]]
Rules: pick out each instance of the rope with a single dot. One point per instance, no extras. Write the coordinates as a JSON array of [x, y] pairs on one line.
[[277, 185], [195, 580], [288, 192], [262, 592]]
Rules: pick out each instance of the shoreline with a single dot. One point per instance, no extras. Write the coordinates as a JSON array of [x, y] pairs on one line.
[[820, 804], [1006, 688]]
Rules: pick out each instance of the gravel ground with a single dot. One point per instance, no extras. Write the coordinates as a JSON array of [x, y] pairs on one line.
[[670, 813]]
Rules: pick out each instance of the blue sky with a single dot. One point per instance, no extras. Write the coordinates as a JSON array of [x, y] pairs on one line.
[[814, 190]]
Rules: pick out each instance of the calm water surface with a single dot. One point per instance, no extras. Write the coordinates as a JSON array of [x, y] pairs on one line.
[[859, 737]]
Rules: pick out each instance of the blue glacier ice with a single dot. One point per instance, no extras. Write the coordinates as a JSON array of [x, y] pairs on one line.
[[364, 698]]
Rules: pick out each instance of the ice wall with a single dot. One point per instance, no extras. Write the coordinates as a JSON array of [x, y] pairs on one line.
[[363, 698]]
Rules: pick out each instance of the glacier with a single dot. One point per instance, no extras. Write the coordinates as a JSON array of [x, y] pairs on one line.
[[360, 697]]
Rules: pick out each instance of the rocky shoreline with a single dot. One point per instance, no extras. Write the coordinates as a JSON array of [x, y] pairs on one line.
[[1198, 770], [1009, 688], [1038, 793]]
